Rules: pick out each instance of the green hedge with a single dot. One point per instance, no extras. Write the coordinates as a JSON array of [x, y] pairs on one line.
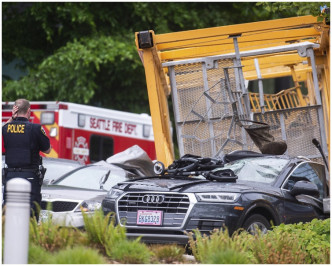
[[301, 243], [102, 240], [314, 238]]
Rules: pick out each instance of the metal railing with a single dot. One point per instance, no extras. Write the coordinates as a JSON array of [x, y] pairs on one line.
[[206, 93], [285, 99]]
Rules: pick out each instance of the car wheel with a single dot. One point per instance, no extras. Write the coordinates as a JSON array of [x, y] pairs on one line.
[[257, 223]]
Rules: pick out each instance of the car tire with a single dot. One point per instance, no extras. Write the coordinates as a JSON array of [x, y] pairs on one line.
[[257, 223]]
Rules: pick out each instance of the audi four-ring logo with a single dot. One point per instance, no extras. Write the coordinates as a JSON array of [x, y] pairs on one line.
[[153, 199]]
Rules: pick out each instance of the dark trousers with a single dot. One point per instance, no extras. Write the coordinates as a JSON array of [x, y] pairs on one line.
[[35, 195]]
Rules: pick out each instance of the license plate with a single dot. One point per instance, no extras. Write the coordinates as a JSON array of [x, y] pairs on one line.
[[149, 217]]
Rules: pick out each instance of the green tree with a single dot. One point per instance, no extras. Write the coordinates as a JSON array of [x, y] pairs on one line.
[[298, 8], [84, 52]]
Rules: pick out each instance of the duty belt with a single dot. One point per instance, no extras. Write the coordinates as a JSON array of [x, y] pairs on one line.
[[33, 170]]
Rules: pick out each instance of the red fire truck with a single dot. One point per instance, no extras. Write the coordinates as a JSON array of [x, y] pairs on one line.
[[86, 133]]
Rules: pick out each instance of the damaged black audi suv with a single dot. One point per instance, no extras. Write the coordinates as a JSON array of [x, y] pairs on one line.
[[244, 189]]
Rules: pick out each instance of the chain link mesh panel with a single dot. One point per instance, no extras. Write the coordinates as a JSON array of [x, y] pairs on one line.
[[205, 118]]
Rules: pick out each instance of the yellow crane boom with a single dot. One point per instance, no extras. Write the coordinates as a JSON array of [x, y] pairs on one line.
[[158, 49]]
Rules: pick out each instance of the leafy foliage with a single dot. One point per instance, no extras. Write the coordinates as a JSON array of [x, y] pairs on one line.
[[102, 230], [65, 243], [78, 255], [228, 256], [130, 252], [52, 237], [299, 8], [275, 248], [84, 52], [75, 65], [286, 244], [38, 255], [205, 248], [313, 238], [72, 255], [168, 253], [95, 225]]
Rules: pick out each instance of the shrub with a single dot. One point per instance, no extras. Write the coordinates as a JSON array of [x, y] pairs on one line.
[[131, 252], [168, 253], [101, 229], [39, 255], [53, 237], [313, 237], [72, 255], [205, 247], [78, 255], [96, 225], [277, 248], [228, 256], [285, 244]]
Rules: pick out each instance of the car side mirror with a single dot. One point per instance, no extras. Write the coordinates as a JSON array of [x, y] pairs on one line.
[[305, 188]]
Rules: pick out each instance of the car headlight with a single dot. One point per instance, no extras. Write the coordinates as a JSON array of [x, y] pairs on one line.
[[89, 206], [113, 194], [218, 197]]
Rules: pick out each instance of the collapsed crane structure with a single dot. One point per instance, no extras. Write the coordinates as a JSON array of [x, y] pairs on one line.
[[206, 71]]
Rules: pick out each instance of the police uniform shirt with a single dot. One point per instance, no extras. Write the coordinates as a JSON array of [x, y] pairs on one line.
[[23, 140]]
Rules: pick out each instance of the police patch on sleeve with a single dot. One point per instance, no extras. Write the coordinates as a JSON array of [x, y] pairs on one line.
[[43, 131]]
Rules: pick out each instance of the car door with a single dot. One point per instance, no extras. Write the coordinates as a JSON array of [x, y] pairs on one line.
[[303, 208]]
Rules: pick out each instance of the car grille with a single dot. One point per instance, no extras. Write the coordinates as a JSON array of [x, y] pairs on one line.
[[174, 208], [59, 206]]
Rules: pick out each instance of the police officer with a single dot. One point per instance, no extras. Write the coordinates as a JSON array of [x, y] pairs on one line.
[[23, 141]]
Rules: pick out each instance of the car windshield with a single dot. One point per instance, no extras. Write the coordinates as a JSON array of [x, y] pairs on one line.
[[90, 177], [55, 170], [264, 170]]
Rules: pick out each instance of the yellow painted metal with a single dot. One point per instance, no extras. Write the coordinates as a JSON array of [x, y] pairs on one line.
[[300, 98], [216, 41], [212, 41], [325, 85], [272, 61], [284, 99], [324, 62], [275, 72], [253, 27], [249, 38], [311, 90], [245, 44], [157, 92], [302, 74], [326, 102]]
